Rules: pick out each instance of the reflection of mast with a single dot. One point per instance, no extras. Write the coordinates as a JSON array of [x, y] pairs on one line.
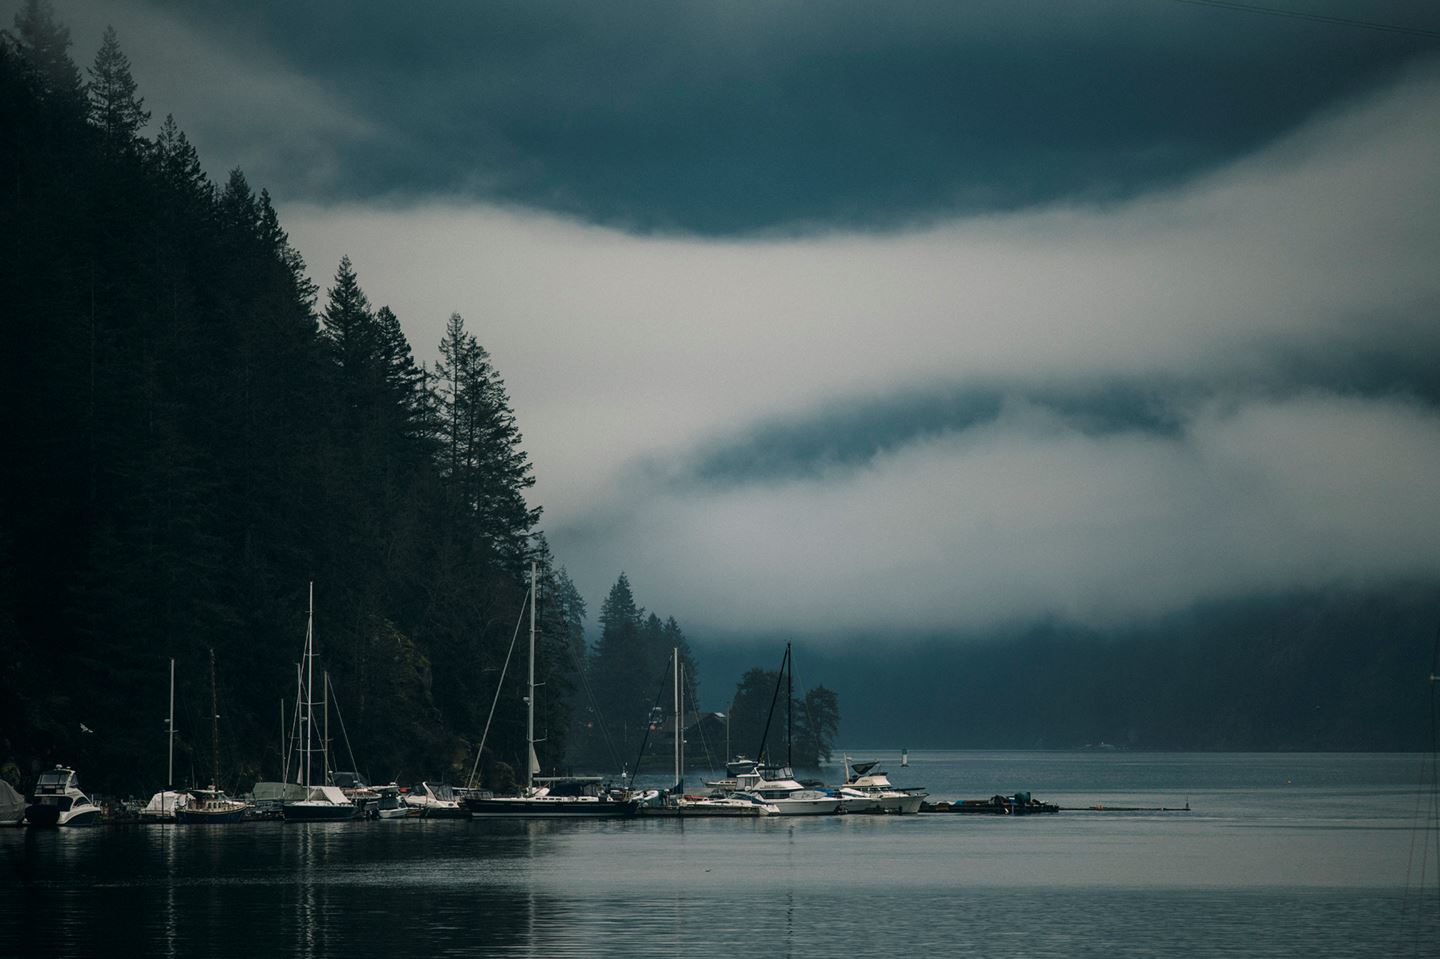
[[214, 726]]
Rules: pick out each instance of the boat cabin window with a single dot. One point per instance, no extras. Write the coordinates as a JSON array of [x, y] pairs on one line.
[[53, 779]]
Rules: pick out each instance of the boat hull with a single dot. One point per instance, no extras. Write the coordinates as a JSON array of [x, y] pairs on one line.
[[550, 808], [42, 816], [705, 809], [195, 817], [319, 812], [46, 816]]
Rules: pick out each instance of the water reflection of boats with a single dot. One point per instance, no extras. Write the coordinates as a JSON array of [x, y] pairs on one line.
[[868, 789], [58, 801]]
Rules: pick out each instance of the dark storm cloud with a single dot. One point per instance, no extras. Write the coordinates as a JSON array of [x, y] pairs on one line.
[[748, 117]]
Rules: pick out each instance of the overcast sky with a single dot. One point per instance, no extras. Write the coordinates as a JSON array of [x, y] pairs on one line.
[[835, 318]]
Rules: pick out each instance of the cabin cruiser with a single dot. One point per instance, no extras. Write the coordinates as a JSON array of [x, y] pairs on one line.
[[868, 789], [436, 801], [776, 786], [211, 806], [58, 801]]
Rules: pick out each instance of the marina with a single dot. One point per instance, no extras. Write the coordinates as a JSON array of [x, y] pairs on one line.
[[1275, 841]]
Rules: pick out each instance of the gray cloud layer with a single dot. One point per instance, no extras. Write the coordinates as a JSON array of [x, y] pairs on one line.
[[1092, 413]]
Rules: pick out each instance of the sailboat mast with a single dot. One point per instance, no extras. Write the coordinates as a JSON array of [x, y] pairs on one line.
[[675, 658], [309, 685], [214, 726], [325, 742], [170, 767], [789, 705], [530, 700]]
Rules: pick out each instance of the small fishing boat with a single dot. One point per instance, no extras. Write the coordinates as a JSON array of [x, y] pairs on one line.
[[58, 801], [392, 804], [211, 807]]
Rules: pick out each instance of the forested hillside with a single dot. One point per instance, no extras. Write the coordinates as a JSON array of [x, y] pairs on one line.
[[194, 433]]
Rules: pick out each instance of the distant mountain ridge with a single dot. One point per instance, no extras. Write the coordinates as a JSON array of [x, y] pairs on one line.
[[1330, 671]]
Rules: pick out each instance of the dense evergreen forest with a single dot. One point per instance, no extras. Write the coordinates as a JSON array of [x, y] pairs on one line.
[[194, 435]]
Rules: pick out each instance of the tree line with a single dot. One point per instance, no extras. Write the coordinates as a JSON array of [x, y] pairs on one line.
[[192, 435]]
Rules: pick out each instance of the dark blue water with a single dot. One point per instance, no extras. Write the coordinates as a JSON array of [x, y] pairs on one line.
[[1290, 855]]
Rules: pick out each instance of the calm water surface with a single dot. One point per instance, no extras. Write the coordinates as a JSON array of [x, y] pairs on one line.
[[1280, 855]]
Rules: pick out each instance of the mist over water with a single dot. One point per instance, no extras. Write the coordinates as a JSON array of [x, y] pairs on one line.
[[1280, 855]]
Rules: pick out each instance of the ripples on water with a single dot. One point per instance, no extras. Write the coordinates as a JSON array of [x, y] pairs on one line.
[[1281, 856]]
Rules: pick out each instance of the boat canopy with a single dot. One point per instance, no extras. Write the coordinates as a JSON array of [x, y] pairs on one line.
[[278, 792], [167, 801], [12, 804], [330, 794]]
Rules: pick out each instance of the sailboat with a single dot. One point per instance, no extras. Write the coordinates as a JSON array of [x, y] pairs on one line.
[[676, 803], [774, 784], [212, 806], [553, 796], [164, 804], [322, 802]]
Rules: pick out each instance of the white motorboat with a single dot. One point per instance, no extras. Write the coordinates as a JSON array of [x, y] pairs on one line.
[[776, 786], [868, 789], [58, 801], [436, 802]]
